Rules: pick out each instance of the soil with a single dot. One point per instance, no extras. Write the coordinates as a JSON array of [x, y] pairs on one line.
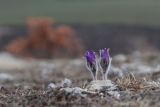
[[24, 82]]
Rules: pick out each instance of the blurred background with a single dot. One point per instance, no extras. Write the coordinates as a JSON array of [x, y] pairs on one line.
[[56, 28], [42, 45]]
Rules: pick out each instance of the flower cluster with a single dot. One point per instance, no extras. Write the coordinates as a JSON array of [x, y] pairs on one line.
[[94, 63]]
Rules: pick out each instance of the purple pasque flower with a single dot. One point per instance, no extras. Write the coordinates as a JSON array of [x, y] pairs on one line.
[[91, 63], [104, 62]]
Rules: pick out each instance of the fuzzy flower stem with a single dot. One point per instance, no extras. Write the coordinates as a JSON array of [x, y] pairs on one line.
[[91, 63], [106, 73]]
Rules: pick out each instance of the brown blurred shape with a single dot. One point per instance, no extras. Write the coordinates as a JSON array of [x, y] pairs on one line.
[[44, 40]]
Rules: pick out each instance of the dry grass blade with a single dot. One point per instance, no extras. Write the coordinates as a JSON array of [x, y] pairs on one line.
[[129, 82]]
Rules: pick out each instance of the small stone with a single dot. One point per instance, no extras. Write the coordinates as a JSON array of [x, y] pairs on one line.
[[115, 94], [52, 86], [74, 91], [99, 85], [66, 83]]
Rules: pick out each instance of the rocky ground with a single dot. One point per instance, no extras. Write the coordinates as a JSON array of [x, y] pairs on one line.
[[134, 81]]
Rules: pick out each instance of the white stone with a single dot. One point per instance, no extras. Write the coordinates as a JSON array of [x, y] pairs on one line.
[[66, 83], [52, 86], [98, 85]]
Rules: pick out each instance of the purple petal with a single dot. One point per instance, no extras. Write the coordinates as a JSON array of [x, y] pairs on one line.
[[104, 58], [104, 54], [90, 56]]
